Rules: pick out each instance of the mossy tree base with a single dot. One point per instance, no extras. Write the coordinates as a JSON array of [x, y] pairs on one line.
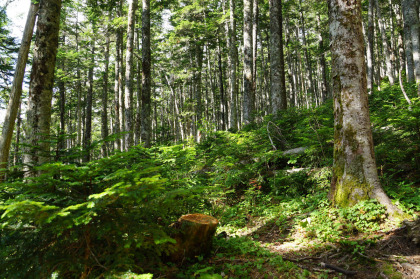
[[355, 176], [194, 235]]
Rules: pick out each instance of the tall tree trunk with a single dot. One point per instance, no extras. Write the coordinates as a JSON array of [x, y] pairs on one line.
[[370, 46], [138, 91], [385, 45], [41, 84], [78, 88], [411, 12], [312, 90], [87, 136], [355, 176], [198, 91], [104, 112], [16, 159], [16, 90], [129, 74], [407, 8], [255, 15], [117, 120], [278, 81], [325, 87], [221, 87], [146, 124], [232, 60], [61, 144], [248, 100]]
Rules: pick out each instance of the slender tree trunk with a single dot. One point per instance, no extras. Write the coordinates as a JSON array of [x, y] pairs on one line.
[[146, 124], [312, 90], [255, 16], [16, 159], [78, 89], [407, 8], [16, 90], [41, 84], [248, 101], [87, 136], [411, 13], [198, 91], [117, 120], [325, 87], [370, 46], [355, 176], [232, 60], [385, 45], [62, 104], [129, 74], [104, 112], [221, 88], [138, 91], [278, 82]]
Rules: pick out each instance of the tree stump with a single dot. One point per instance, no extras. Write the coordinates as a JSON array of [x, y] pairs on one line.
[[194, 235]]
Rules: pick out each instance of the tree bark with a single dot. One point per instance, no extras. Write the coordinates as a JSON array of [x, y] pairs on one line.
[[16, 90], [146, 124], [312, 90], [325, 87], [117, 120], [370, 46], [412, 14], [355, 176], [129, 74], [232, 60], [87, 136], [407, 8], [248, 101], [41, 84], [278, 82], [104, 112], [385, 45]]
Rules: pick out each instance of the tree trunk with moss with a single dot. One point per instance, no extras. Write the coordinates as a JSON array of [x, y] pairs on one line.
[[355, 176], [41, 85]]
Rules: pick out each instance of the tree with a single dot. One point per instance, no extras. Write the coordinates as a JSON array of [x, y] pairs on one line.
[[248, 100], [278, 83], [129, 74], [41, 84], [406, 9], [146, 108], [411, 19], [355, 175], [16, 90], [232, 61]]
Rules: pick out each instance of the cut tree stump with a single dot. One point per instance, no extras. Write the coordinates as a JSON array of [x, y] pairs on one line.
[[194, 234]]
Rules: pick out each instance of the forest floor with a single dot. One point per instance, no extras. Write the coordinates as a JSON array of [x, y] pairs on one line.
[[285, 252], [378, 255]]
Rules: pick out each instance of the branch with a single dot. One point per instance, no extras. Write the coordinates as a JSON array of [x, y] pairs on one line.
[[339, 269]]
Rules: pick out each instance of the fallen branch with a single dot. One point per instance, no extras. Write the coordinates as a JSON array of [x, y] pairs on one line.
[[339, 269]]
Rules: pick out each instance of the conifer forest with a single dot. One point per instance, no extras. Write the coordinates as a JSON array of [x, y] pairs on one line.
[[210, 139]]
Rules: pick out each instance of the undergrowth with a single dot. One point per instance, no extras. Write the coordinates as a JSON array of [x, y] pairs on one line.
[[110, 218]]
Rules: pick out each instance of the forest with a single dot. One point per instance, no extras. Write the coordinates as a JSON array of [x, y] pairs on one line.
[[210, 139]]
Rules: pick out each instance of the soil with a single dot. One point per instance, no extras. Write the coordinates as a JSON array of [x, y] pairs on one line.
[[390, 254]]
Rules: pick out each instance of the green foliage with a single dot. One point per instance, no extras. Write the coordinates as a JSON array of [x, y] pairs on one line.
[[111, 214]]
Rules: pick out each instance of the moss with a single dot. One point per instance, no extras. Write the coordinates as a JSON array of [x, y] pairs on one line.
[[349, 191], [389, 270]]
